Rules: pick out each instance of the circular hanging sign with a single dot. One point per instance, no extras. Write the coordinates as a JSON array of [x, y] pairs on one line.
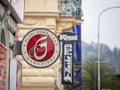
[[40, 47]]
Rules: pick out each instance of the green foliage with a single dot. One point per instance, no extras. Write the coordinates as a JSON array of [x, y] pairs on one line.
[[89, 76], [70, 87], [111, 56]]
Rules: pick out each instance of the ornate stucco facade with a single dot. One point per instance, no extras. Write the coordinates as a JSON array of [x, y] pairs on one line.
[[44, 14]]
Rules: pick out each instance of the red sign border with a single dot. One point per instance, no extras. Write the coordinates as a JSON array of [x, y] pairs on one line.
[[55, 56]]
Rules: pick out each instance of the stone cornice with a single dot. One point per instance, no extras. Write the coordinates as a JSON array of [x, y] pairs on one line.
[[59, 24], [42, 14]]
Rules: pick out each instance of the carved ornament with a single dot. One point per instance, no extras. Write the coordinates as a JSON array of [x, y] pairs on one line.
[[62, 26], [34, 21]]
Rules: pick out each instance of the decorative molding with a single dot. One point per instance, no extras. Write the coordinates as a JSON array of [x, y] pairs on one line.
[[59, 25], [50, 21], [62, 26], [33, 21]]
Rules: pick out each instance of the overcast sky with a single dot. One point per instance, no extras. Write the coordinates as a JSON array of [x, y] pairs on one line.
[[109, 22]]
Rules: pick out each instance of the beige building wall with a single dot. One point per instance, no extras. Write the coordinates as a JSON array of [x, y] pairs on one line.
[[43, 14]]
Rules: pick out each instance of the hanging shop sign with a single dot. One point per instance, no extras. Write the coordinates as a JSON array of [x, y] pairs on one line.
[[40, 47], [77, 64], [68, 39]]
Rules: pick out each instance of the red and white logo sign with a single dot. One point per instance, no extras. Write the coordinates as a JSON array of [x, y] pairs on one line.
[[40, 47]]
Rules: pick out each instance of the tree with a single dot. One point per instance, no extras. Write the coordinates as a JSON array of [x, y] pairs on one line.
[[89, 76]]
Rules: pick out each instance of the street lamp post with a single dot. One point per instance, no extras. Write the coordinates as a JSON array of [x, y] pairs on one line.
[[99, 79]]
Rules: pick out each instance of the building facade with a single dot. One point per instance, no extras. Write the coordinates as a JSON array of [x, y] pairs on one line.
[[57, 16]]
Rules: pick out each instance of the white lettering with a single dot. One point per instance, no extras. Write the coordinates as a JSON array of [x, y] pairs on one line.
[[68, 38], [68, 69], [35, 49], [68, 78], [68, 49], [68, 62]]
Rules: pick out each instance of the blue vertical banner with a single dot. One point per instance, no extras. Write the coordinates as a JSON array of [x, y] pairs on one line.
[[77, 61], [77, 4], [77, 30], [77, 55]]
